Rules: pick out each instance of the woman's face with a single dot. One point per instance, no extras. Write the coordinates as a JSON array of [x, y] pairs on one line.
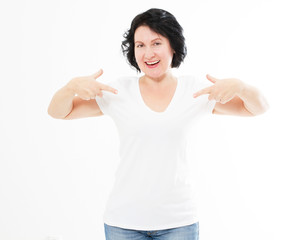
[[153, 52]]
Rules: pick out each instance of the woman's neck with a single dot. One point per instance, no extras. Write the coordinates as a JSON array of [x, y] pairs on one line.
[[159, 82]]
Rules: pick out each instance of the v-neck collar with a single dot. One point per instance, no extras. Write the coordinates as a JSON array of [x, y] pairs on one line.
[[170, 105]]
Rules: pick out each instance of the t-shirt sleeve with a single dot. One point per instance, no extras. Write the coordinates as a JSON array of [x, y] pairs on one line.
[[104, 102], [207, 105]]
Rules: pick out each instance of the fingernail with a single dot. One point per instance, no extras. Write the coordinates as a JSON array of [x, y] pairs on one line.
[[116, 91]]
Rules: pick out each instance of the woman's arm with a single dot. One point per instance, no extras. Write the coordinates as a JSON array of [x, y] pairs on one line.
[[65, 105], [248, 102], [234, 97], [61, 103]]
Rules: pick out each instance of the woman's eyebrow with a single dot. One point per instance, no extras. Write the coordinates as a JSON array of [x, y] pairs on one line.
[[151, 41]]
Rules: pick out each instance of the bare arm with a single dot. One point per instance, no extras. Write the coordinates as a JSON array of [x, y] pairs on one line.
[[66, 105], [234, 97], [248, 102], [62, 103], [84, 109]]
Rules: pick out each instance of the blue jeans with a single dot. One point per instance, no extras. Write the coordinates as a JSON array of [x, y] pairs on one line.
[[190, 232]]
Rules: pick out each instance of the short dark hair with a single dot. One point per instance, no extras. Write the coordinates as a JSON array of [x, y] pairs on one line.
[[163, 23]]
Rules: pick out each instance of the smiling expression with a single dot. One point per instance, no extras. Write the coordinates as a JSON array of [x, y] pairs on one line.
[[153, 52]]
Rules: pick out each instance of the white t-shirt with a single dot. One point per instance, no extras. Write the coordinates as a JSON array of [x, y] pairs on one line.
[[152, 189]]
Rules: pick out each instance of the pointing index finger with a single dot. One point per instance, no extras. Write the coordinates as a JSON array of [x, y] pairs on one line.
[[206, 90], [108, 88]]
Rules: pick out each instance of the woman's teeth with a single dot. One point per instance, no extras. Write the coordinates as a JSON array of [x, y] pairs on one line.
[[152, 63]]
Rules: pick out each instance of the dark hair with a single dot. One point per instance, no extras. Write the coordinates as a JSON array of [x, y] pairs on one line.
[[163, 23]]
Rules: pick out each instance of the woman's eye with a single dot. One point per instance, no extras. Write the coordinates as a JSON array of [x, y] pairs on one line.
[[157, 43], [139, 45]]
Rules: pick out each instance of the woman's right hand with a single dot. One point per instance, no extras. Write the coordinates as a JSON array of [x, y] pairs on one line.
[[88, 88]]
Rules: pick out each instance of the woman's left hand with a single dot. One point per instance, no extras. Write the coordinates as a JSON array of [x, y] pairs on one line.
[[223, 90]]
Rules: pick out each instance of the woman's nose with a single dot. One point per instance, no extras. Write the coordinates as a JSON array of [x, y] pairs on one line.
[[149, 53]]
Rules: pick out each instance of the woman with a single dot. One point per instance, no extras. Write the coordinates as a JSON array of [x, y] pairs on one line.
[[152, 197]]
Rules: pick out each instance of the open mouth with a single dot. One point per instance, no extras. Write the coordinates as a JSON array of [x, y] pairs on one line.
[[152, 64]]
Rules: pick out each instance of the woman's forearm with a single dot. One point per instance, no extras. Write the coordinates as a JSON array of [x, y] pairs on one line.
[[62, 102], [253, 99]]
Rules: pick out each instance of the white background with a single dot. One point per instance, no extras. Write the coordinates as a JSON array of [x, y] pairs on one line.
[[55, 175]]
